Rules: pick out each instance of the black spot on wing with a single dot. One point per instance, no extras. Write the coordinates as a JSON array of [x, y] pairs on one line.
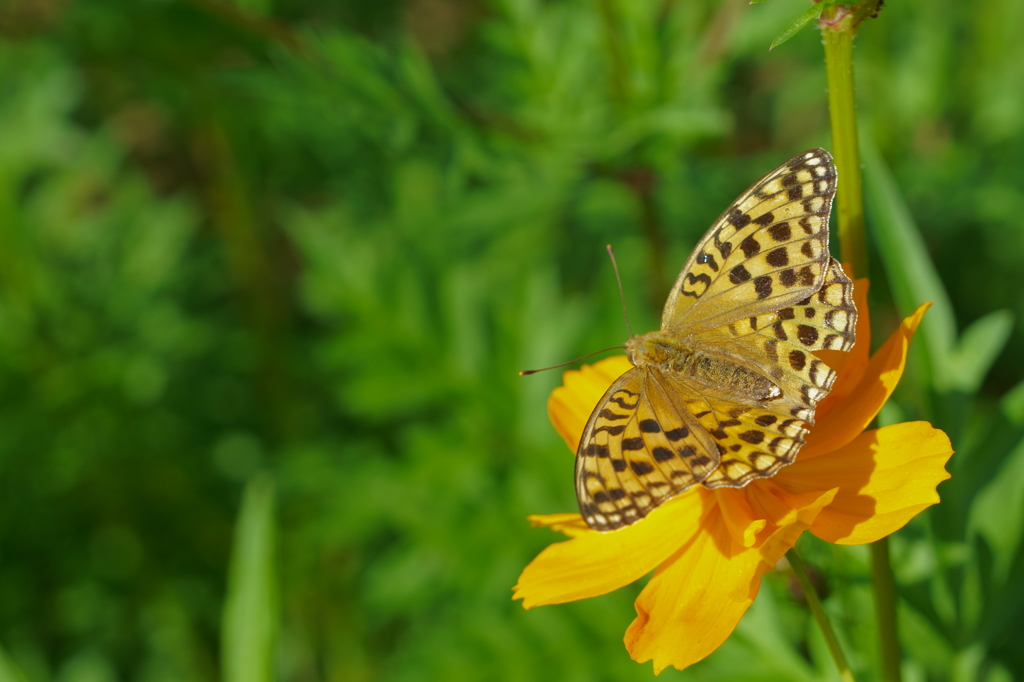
[[693, 279], [650, 426], [707, 259], [807, 334], [677, 434], [608, 414], [752, 436], [661, 454], [750, 247], [641, 468], [724, 248], [738, 219], [780, 232], [778, 257], [738, 274], [622, 402]]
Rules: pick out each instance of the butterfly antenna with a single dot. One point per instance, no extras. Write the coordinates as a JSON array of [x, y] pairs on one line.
[[525, 372], [622, 295]]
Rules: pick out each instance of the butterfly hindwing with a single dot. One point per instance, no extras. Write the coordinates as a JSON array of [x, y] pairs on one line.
[[754, 441], [767, 251], [641, 446], [782, 343], [769, 434]]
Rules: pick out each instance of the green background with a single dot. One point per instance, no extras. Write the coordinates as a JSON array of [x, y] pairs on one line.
[[268, 270]]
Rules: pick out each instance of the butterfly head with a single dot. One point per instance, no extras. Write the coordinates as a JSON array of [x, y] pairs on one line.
[[656, 348]]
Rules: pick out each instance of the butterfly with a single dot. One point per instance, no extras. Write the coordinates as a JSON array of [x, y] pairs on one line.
[[725, 391]]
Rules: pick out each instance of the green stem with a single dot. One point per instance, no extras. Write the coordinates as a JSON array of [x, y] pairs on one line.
[[814, 603], [885, 607], [838, 30], [843, 115]]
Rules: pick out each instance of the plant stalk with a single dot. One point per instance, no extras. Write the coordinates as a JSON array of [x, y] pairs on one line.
[[838, 29], [814, 603], [843, 115], [885, 608]]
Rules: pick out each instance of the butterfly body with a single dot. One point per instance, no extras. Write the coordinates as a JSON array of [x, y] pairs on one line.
[[670, 353], [725, 391]]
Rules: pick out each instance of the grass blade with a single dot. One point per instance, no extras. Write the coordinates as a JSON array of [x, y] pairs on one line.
[[912, 275], [249, 624]]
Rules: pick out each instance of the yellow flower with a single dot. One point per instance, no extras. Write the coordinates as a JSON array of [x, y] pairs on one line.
[[711, 547]]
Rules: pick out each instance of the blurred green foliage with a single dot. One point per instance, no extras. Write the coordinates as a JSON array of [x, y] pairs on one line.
[[300, 248]]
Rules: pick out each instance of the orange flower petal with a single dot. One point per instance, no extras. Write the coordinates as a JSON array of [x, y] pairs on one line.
[[571, 403], [849, 366], [885, 478], [595, 563], [694, 601], [743, 522], [846, 420], [568, 524], [781, 506]]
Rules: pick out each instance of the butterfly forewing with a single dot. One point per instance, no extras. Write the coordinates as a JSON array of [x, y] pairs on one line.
[[768, 250]]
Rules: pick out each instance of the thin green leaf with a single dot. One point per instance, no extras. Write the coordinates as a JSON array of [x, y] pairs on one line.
[[809, 15], [912, 275], [979, 346], [249, 624]]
